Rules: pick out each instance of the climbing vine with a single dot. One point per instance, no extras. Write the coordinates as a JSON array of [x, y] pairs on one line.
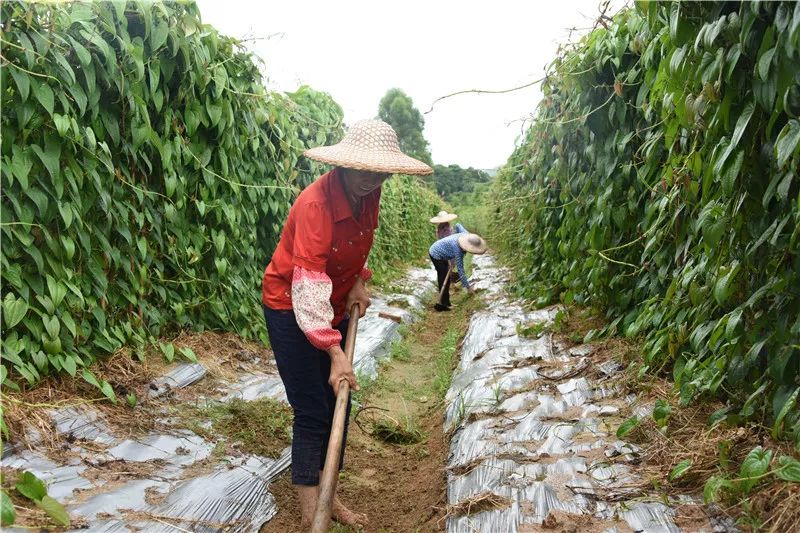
[[659, 182], [146, 175]]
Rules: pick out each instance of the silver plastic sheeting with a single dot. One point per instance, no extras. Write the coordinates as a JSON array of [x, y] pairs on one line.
[[170, 493], [180, 376], [182, 448], [82, 423], [373, 342], [533, 426], [256, 386], [168, 480], [377, 333], [61, 480], [414, 288], [232, 497]]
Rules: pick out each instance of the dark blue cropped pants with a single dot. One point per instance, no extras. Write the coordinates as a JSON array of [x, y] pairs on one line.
[[305, 371]]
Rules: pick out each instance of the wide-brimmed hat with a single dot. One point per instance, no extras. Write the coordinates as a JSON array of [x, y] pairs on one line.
[[443, 217], [472, 243], [369, 145]]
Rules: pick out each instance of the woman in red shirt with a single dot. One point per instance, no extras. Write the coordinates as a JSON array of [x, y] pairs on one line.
[[315, 275]]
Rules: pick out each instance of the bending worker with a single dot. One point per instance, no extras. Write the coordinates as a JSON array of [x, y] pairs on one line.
[[453, 248], [443, 229], [315, 275]]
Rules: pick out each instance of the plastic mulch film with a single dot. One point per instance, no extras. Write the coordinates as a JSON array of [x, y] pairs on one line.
[[379, 328], [182, 375], [173, 479], [533, 431], [231, 497], [163, 481], [254, 386]]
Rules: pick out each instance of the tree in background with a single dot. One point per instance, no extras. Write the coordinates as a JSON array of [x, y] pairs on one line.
[[397, 109], [452, 179]]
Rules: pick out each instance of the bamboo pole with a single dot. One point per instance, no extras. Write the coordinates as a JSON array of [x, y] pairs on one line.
[[330, 474]]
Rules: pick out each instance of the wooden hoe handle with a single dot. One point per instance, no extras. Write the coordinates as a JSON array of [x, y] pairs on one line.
[[330, 474], [444, 285]]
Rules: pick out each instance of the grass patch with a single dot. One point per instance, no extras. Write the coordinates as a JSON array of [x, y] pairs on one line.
[[261, 427], [445, 360], [400, 350]]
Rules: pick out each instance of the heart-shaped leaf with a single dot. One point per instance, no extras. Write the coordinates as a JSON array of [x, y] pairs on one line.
[[14, 310], [90, 379], [54, 510], [31, 486], [680, 469], [788, 469], [168, 350], [714, 486], [627, 426], [108, 391], [44, 94], [52, 325], [661, 412], [7, 513], [23, 81], [69, 365], [189, 354], [21, 165], [57, 291], [753, 468]]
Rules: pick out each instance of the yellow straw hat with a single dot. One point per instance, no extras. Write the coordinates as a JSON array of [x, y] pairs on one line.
[[443, 217], [472, 243], [369, 145]]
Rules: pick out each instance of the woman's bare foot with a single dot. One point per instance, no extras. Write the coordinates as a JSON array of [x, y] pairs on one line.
[[345, 516]]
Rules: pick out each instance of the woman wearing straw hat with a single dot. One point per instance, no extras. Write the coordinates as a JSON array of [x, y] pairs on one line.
[[318, 271], [443, 229], [453, 248]]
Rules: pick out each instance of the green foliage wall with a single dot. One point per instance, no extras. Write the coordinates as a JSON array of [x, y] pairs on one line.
[[146, 175], [318, 122], [660, 183]]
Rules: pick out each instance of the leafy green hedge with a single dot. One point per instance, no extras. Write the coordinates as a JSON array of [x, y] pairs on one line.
[[659, 182], [146, 175]]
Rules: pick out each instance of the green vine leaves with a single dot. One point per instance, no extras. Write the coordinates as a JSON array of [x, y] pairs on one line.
[[659, 181]]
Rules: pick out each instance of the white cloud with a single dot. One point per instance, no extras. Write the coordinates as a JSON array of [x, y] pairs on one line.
[[357, 50]]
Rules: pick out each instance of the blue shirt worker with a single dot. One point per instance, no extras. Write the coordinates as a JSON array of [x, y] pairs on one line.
[[453, 248]]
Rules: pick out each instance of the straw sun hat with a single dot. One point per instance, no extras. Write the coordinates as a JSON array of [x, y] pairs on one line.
[[370, 145], [443, 217], [472, 243]]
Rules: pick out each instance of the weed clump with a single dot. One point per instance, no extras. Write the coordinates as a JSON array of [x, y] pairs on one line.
[[396, 433], [383, 427], [260, 427]]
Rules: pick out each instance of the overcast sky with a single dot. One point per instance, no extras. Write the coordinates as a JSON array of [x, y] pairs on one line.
[[356, 51]]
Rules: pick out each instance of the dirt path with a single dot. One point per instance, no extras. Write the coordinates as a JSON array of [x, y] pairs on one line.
[[401, 487]]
